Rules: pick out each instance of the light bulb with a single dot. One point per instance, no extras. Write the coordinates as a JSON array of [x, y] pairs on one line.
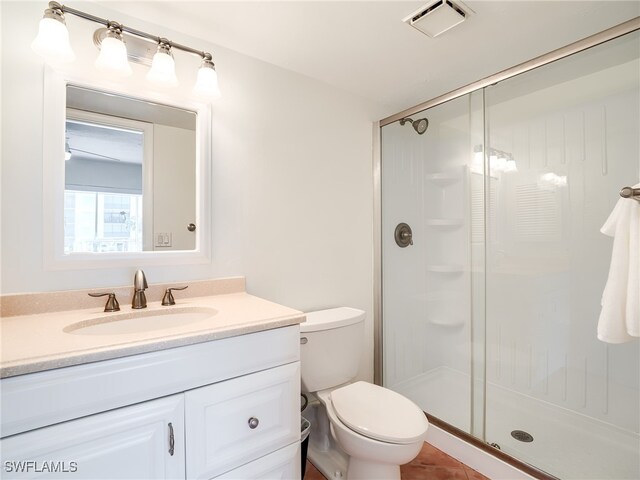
[[207, 82], [113, 54], [52, 41], [163, 67]]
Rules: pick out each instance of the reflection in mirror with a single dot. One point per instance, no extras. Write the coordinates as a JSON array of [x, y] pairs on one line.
[[130, 174], [103, 183]]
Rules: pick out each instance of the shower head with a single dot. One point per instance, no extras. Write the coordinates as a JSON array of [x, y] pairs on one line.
[[420, 125]]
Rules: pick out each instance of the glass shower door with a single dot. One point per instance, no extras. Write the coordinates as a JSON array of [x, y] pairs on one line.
[[432, 182], [562, 141]]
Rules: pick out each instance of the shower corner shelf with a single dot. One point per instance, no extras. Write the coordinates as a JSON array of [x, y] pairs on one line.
[[445, 268], [445, 322], [444, 222], [443, 178]]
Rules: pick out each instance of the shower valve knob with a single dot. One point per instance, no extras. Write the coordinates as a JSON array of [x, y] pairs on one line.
[[403, 235]]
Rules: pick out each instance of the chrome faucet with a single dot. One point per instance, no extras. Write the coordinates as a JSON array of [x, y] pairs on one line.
[[139, 286]]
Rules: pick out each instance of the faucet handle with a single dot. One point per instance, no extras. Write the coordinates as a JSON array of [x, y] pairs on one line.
[[112, 304], [168, 296]]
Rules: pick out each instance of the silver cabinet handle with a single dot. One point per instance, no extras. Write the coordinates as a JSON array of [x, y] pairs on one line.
[[253, 423], [172, 441]]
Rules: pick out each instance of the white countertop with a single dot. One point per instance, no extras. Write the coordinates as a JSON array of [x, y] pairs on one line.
[[34, 343]]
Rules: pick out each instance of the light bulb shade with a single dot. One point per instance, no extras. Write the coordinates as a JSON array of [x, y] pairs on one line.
[[52, 42], [113, 58], [163, 69], [207, 82]]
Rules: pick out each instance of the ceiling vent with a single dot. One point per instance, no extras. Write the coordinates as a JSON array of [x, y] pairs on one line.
[[437, 17]]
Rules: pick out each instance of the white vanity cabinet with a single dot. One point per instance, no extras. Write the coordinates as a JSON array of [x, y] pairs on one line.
[[228, 408], [141, 441]]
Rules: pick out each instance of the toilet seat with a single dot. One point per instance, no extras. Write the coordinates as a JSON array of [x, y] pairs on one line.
[[379, 413]]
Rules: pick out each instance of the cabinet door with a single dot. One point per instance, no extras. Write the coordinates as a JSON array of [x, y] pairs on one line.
[[281, 465], [130, 442], [232, 423]]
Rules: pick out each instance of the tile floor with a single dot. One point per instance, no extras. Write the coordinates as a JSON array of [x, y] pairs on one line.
[[430, 464]]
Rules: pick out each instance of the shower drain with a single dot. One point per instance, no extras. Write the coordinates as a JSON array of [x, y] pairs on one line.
[[522, 436]]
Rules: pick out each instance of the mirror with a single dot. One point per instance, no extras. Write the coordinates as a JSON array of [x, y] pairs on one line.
[[130, 181], [126, 175]]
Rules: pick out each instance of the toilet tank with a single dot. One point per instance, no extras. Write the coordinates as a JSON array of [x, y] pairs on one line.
[[331, 344]]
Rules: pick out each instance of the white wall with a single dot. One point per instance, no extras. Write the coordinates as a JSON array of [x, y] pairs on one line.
[[292, 192]]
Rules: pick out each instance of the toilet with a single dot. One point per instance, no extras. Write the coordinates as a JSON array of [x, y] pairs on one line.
[[377, 428]]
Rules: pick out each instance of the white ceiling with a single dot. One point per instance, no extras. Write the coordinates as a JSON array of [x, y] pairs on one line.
[[365, 48]]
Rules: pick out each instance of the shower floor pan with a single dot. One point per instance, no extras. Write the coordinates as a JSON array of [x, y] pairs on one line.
[[566, 444]]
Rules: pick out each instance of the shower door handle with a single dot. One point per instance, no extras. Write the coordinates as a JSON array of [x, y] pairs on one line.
[[403, 235]]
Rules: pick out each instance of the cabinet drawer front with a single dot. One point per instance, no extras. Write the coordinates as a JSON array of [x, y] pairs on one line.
[[132, 442], [281, 465], [231, 423], [44, 398]]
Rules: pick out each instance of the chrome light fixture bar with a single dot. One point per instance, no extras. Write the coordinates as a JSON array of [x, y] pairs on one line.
[[53, 44]]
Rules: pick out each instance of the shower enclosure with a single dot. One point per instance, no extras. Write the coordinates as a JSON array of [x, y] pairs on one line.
[[491, 291]]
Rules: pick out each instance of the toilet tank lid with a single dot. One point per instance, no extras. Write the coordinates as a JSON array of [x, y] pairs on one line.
[[331, 318]]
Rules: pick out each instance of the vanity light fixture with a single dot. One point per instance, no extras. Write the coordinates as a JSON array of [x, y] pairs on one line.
[[113, 53], [52, 43], [163, 67], [207, 82]]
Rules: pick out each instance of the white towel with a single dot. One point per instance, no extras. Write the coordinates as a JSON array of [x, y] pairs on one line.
[[620, 316]]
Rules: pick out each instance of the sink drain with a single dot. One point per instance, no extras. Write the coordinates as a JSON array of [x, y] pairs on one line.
[[522, 436]]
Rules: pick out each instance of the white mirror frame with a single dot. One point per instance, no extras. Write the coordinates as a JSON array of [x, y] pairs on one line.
[[53, 144]]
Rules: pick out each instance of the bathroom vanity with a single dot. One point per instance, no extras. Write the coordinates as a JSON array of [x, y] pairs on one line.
[[214, 398]]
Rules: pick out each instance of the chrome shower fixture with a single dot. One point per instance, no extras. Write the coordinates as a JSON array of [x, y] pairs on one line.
[[420, 125]]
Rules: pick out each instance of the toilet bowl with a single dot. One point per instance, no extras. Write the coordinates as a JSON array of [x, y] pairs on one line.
[[377, 428]]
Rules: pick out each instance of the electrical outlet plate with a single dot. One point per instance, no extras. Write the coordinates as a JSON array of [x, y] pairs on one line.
[[163, 239]]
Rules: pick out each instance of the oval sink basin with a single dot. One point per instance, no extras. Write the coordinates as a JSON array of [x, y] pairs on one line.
[[140, 321]]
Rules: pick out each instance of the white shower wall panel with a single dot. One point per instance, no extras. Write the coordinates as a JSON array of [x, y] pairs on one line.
[[404, 340]]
